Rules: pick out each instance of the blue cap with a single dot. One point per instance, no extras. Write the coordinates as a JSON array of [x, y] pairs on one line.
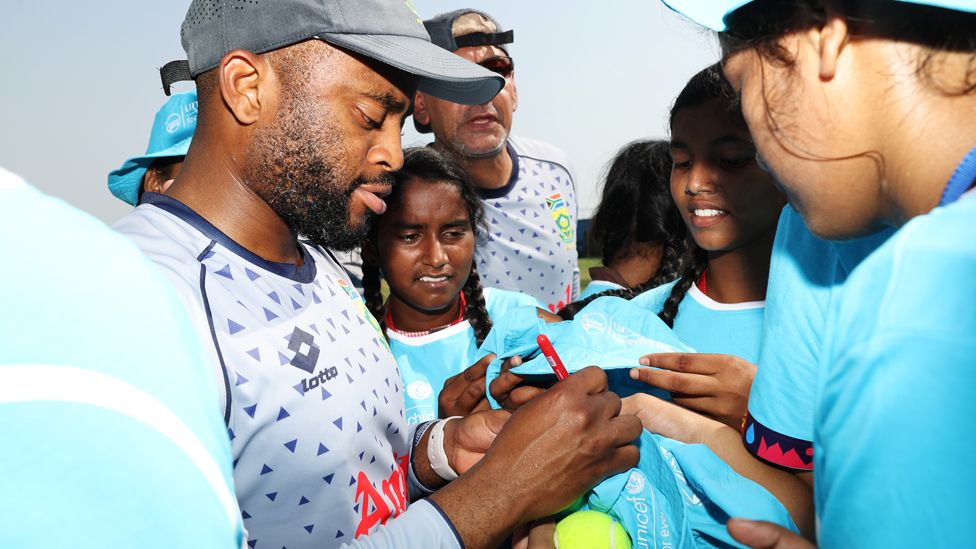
[[712, 13], [171, 133]]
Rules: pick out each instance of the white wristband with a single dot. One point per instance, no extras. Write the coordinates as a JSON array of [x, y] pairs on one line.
[[435, 451]]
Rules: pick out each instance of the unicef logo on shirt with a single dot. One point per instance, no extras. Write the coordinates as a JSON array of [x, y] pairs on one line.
[[173, 123], [635, 484], [419, 390], [593, 323]]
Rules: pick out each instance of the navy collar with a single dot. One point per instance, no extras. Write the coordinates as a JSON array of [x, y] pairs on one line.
[[303, 274], [962, 179], [512, 178]]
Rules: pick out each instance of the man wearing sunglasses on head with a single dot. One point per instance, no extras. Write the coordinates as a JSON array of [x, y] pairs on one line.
[[528, 187]]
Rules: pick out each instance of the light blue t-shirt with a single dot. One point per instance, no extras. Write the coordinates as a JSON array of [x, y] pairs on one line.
[[111, 433], [598, 287], [897, 392], [805, 273], [427, 361], [709, 326]]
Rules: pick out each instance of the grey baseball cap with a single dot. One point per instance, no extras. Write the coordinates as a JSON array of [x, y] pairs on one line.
[[389, 31], [467, 27]]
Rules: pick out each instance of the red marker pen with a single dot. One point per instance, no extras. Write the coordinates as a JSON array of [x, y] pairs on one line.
[[550, 353]]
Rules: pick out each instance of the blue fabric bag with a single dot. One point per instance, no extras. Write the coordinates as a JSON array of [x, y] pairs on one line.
[[610, 332], [680, 496]]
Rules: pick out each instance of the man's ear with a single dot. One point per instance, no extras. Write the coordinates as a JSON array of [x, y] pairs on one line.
[[246, 83], [514, 94], [420, 113], [832, 39]]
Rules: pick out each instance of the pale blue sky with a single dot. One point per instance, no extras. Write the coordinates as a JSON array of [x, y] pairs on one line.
[[80, 83]]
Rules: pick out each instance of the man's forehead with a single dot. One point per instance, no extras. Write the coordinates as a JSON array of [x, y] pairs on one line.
[[391, 87], [477, 54]]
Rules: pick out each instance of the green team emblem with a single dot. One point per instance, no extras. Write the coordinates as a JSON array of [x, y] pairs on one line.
[[564, 223]]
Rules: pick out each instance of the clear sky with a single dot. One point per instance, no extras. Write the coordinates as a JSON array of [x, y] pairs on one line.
[[80, 83]]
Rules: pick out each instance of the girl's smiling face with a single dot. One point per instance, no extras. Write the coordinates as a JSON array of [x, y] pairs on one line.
[[726, 200], [425, 245]]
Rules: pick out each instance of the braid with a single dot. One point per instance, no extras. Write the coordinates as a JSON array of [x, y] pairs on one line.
[[372, 295], [672, 264], [569, 311], [477, 310], [692, 272]]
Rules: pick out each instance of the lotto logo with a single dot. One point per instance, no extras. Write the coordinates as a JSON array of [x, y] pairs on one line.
[[326, 374]]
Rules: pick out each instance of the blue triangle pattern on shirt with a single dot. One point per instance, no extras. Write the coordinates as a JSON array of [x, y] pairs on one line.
[[274, 297], [299, 288], [255, 354], [309, 528], [283, 359], [338, 423], [233, 327], [265, 469], [271, 496], [251, 274], [315, 298], [249, 410], [352, 480], [339, 534], [325, 394], [295, 305], [251, 543], [323, 449], [291, 445], [241, 380], [328, 478], [282, 414], [245, 515], [303, 501], [225, 272], [300, 387], [269, 314]]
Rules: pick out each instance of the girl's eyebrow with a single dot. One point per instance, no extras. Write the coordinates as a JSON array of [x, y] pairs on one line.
[[730, 138]]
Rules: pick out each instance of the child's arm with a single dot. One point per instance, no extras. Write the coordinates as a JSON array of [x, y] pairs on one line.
[[673, 421]]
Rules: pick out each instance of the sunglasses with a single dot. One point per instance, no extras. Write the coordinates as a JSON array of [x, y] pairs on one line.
[[501, 65]]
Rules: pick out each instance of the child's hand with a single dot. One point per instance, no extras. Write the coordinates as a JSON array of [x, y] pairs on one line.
[[464, 393], [508, 390], [766, 535], [715, 385], [669, 420]]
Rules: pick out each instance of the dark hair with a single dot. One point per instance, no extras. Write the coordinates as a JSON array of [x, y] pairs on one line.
[[709, 85], [760, 25], [432, 166], [636, 206]]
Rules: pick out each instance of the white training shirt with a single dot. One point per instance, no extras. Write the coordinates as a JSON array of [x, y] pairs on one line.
[[315, 409], [531, 242]]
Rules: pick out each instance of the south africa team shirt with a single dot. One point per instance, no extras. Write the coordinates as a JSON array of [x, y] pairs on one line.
[[313, 397], [531, 240], [427, 361]]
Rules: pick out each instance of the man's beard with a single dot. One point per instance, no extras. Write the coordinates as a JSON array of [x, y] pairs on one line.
[[296, 165]]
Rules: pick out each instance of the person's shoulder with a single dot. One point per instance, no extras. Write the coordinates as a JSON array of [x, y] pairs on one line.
[[653, 299], [498, 301], [539, 150], [910, 277], [164, 239]]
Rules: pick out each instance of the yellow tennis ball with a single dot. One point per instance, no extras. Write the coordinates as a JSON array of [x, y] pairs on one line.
[[590, 530]]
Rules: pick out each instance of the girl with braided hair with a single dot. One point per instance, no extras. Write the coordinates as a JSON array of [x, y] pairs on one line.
[[437, 313], [637, 224], [730, 206]]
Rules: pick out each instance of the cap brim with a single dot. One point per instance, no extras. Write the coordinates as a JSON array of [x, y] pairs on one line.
[[707, 13], [442, 74], [125, 182]]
